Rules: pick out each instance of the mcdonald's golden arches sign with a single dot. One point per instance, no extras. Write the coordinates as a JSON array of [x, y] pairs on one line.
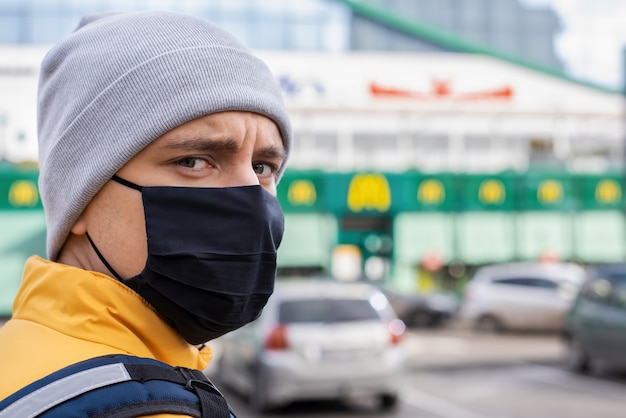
[[369, 191]]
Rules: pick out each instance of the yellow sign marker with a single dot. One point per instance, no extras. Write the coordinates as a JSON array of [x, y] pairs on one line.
[[23, 193], [608, 191], [431, 192], [369, 192], [491, 192], [302, 193], [550, 191]]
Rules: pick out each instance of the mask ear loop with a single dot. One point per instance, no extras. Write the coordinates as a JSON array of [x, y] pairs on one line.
[[126, 183], [104, 261], [93, 245]]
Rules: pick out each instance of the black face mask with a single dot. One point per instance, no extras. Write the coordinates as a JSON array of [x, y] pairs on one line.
[[211, 256]]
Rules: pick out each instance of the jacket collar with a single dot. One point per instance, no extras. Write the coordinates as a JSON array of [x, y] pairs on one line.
[[95, 307]]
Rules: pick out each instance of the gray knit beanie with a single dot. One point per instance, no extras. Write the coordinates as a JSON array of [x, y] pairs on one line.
[[121, 80]]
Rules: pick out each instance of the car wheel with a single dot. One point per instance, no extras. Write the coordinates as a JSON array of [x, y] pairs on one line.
[[576, 358], [388, 401], [258, 396], [489, 323]]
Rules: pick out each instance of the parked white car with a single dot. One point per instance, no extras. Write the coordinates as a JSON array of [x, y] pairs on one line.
[[521, 296], [316, 339]]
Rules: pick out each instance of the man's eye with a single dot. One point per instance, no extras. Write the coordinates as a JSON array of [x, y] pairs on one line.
[[263, 169], [189, 162]]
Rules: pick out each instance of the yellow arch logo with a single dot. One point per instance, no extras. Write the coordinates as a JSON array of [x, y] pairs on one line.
[[431, 192], [302, 193], [550, 191], [608, 191], [491, 192], [23, 193], [369, 192]]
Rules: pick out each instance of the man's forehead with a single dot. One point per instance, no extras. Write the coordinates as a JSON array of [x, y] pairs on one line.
[[225, 125]]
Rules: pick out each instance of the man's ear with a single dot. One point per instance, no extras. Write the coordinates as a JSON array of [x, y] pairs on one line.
[[80, 227]]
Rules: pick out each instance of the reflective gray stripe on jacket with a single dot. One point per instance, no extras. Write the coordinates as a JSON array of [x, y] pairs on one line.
[[66, 388]]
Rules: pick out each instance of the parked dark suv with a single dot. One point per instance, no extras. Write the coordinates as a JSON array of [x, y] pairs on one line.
[[595, 326]]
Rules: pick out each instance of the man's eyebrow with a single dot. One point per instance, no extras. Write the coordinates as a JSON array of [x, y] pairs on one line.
[[200, 144], [204, 144], [271, 152]]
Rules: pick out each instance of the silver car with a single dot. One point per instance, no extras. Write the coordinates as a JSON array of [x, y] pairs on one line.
[[521, 296], [316, 339]]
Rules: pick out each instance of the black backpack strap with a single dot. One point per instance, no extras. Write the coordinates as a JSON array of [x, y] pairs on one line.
[[212, 402], [118, 386]]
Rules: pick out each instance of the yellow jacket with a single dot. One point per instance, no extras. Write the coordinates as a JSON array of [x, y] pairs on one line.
[[62, 315]]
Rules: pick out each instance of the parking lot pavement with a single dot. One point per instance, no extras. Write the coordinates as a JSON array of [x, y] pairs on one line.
[[456, 346]]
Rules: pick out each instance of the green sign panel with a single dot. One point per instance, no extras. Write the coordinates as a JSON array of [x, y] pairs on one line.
[[548, 191], [430, 192], [302, 192], [601, 192], [375, 193], [487, 193], [18, 190]]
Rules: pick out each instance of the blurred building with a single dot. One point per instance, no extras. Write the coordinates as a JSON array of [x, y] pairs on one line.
[[506, 26], [318, 25], [426, 130], [334, 56]]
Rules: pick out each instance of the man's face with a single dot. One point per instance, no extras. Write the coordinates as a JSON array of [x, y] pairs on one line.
[[220, 150]]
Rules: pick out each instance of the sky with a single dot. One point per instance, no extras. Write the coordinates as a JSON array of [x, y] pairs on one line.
[[592, 40]]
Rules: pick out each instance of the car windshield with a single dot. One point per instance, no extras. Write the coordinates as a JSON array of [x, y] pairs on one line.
[[326, 310], [539, 282], [618, 277], [610, 287]]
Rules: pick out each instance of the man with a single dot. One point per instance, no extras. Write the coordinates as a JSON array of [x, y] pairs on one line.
[[161, 142]]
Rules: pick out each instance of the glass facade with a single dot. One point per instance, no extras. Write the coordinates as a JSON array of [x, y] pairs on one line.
[[311, 25], [305, 25], [505, 26]]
